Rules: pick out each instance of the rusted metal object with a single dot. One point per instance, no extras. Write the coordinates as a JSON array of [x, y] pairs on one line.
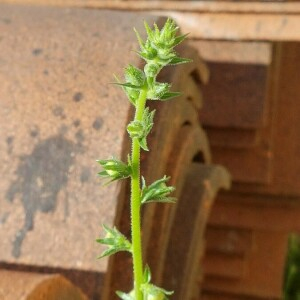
[[266, 162], [237, 91], [228, 240], [186, 240], [225, 266], [251, 230], [188, 6], [265, 212], [257, 53], [262, 269], [59, 114], [236, 26], [285, 129], [257, 212], [239, 135], [34, 286], [219, 21], [268, 211]]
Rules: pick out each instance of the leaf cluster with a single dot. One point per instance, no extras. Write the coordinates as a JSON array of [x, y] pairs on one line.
[[150, 291], [157, 51], [140, 129], [158, 191], [159, 45], [139, 85], [114, 169], [115, 241]]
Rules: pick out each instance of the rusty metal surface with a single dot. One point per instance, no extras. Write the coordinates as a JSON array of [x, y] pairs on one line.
[[254, 228], [193, 6], [228, 240], [227, 21], [228, 267], [237, 99], [237, 92], [189, 142], [58, 115], [232, 138], [238, 27], [240, 119], [183, 253], [252, 166], [258, 53], [217, 295], [267, 212], [285, 128], [34, 286], [264, 269], [257, 212]]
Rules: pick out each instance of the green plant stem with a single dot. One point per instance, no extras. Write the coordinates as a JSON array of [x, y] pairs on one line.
[[136, 202]]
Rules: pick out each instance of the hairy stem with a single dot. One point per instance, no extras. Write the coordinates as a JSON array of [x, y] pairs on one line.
[[136, 203]]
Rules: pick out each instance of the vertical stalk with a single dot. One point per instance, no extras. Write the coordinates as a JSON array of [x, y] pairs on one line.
[[136, 202]]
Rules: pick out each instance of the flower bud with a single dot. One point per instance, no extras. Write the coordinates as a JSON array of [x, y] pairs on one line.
[[134, 76], [151, 53], [111, 172], [158, 91], [114, 240], [132, 94], [136, 129], [114, 169], [151, 70]]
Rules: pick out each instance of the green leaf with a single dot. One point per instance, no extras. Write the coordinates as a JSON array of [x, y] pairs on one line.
[[165, 54], [128, 85], [147, 274], [134, 76], [179, 60], [132, 91], [158, 191], [158, 90], [105, 241], [143, 144], [140, 40], [136, 129], [179, 39], [169, 28], [115, 241], [143, 55], [148, 117], [124, 296], [152, 291], [170, 95], [156, 30], [161, 91], [109, 252], [150, 33], [132, 94]]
